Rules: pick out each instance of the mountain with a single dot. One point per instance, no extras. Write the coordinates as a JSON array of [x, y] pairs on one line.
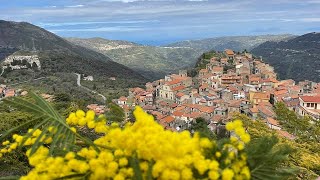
[[297, 58], [152, 62], [236, 43], [56, 54]]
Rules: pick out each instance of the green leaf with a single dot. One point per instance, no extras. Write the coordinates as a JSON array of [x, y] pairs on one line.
[[63, 137]]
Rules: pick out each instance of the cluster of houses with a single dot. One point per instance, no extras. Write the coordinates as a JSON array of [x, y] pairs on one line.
[[250, 87], [7, 92]]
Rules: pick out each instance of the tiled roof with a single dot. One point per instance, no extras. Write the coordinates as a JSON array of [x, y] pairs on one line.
[[177, 113], [254, 110], [180, 94], [311, 98], [175, 81], [286, 134], [122, 98], [261, 95], [284, 91], [168, 119], [229, 52], [272, 121], [178, 88], [207, 109]]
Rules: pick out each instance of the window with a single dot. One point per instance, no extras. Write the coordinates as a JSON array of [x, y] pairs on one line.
[[308, 104], [312, 104]]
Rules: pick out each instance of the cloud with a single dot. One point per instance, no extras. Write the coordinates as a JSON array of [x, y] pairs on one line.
[[167, 17], [102, 29], [59, 24], [75, 6], [314, 19]]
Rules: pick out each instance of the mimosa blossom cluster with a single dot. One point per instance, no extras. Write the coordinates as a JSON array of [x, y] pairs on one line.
[[140, 150]]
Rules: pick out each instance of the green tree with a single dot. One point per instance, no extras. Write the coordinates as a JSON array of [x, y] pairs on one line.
[[200, 125]]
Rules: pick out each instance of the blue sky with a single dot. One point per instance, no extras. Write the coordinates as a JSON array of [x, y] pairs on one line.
[[159, 22]]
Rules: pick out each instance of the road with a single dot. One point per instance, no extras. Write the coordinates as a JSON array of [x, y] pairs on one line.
[[94, 92]]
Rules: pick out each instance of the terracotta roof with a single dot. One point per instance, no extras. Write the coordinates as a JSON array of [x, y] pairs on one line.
[[267, 104], [270, 80], [158, 114], [178, 88], [311, 98], [235, 103], [175, 81], [272, 121], [224, 59], [177, 113], [122, 98], [229, 52], [179, 108], [207, 109], [204, 86], [280, 92], [168, 119], [254, 110], [162, 103], [217, 118], [203, 70], [261, 95], [180, 94], [195, 114], [173, 105], [286, 134], [217, 69], [296, 88], [266, 111], [254, 79]]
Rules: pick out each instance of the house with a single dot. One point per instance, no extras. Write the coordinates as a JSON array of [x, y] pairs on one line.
[[258, 97], [88, 78], [265, 111], [229, 53], [168, 121], [9, 92], [285, 134], [230, 79], [223, 111], [234, 106], [272, 123], [217, 70], [223, 61], [98, 109], [208, 111], [122, 101], [310, 105], [253, 113], [181, 98], [203, 72]]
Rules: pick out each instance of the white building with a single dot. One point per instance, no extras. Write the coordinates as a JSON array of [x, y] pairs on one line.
[[309, 105]]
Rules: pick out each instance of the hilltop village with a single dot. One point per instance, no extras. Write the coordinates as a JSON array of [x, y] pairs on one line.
[[227, 83]]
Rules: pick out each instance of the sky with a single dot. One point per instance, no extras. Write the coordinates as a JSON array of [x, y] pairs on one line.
[[158, 22]]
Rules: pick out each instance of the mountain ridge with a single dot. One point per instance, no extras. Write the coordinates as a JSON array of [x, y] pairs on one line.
[[237, 43], [297, 58], [151, 61], [56, 53]]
